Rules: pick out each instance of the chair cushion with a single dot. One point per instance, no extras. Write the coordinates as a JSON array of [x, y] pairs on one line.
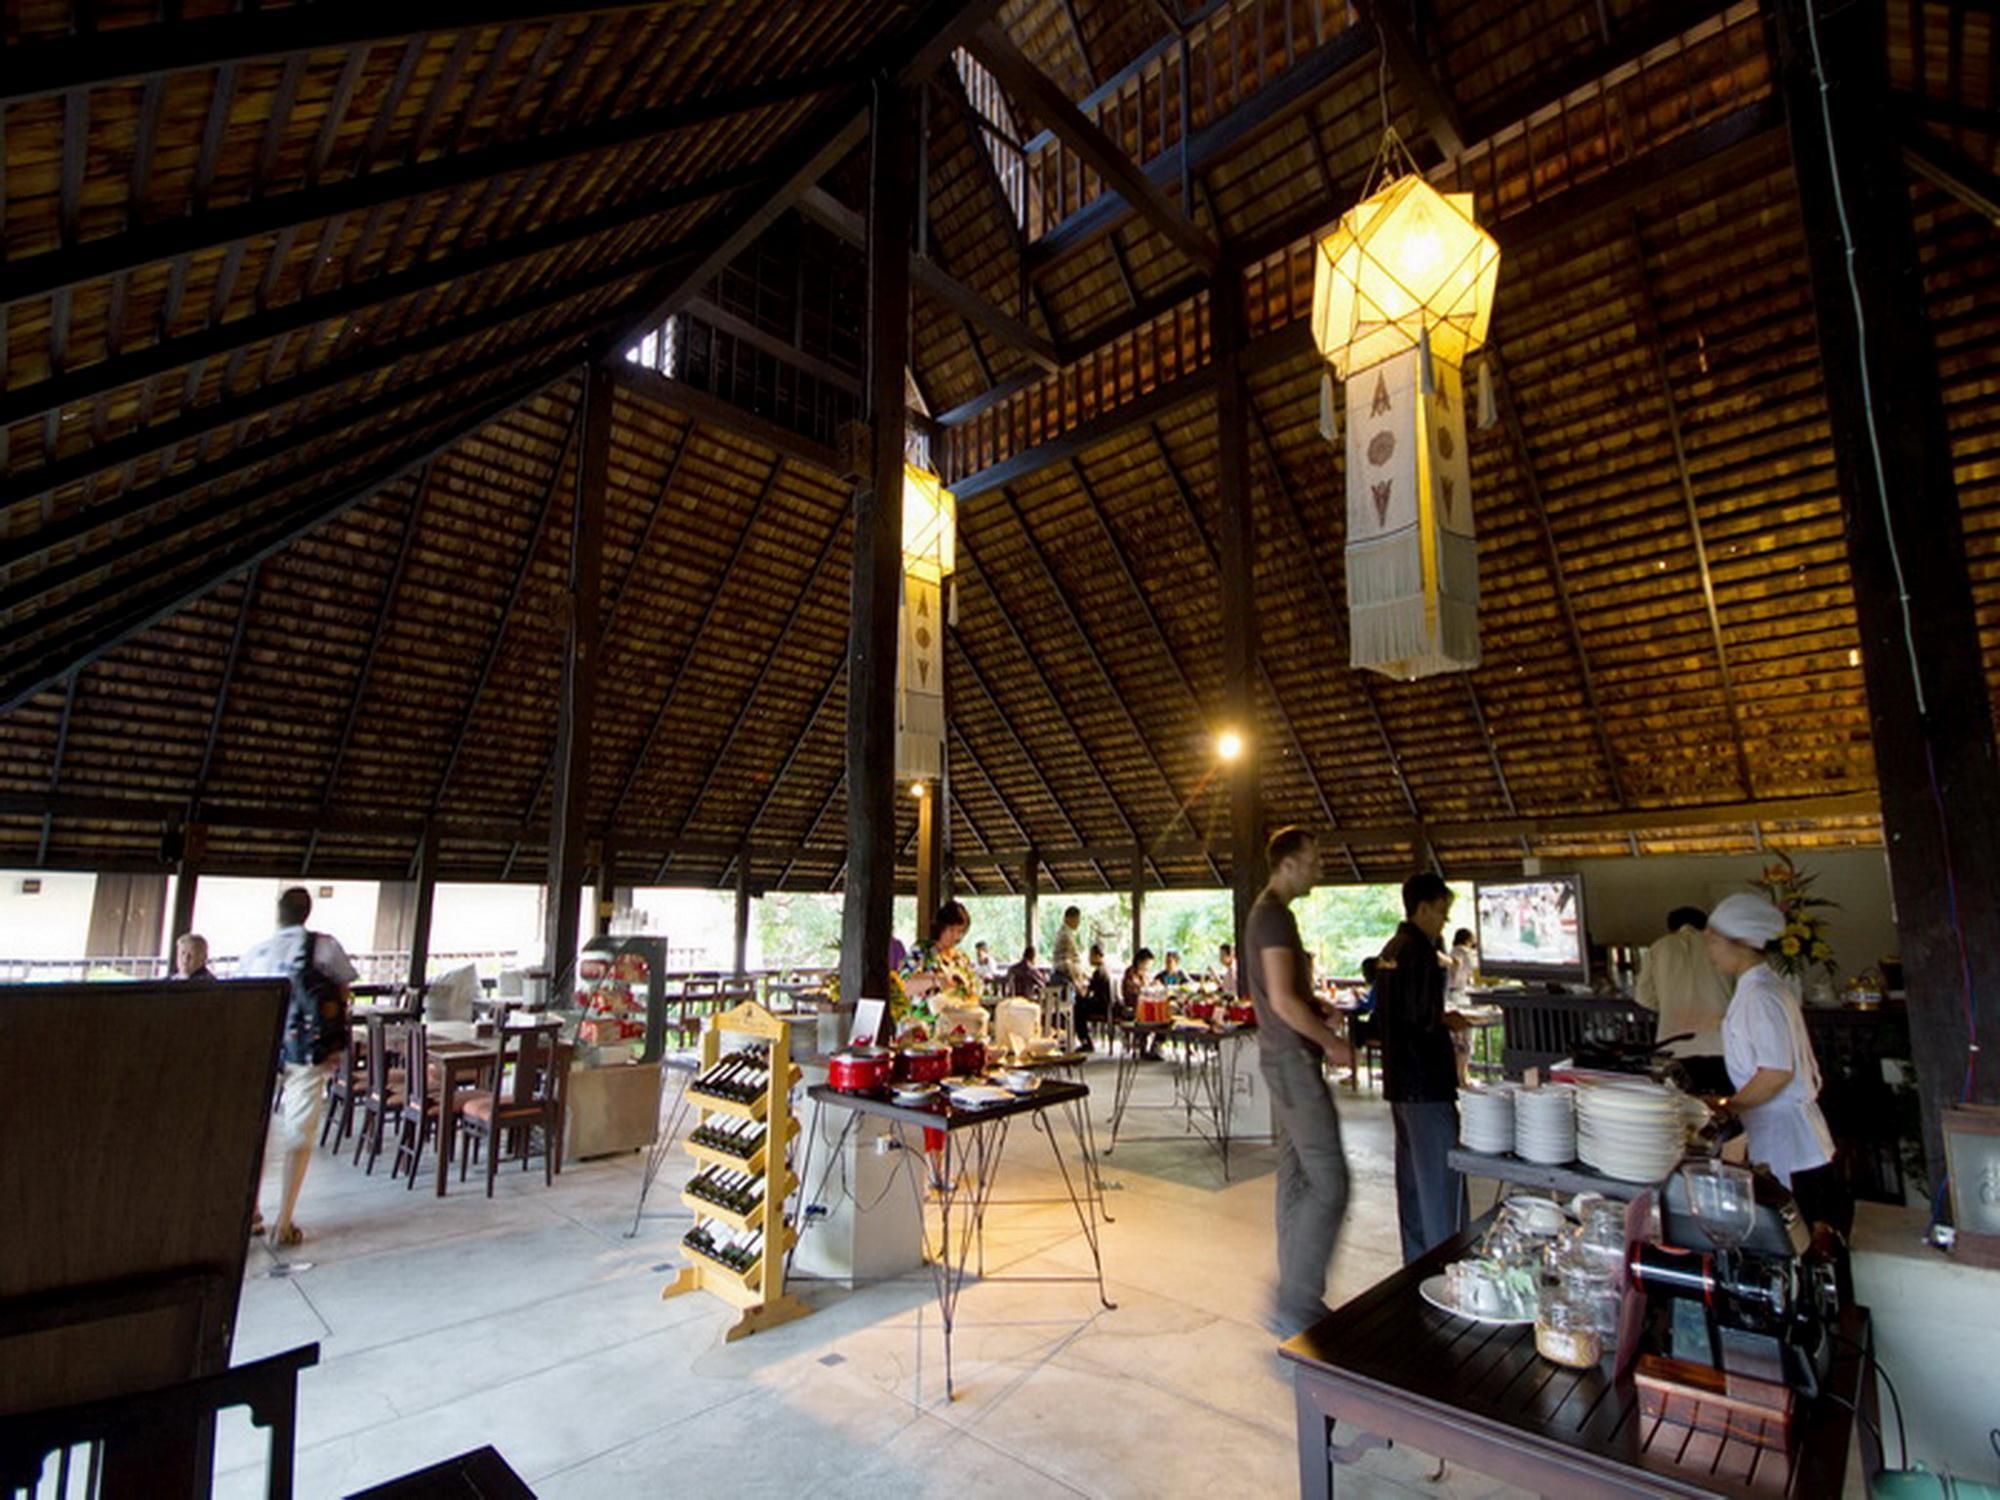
[[479, 1106]]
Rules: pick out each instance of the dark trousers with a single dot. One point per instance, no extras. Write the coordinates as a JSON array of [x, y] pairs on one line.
[[1823, 1198], [1430, 1196], [1312, 1183]]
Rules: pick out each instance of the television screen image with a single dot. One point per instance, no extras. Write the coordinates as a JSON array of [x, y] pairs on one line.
[[1531, 926]]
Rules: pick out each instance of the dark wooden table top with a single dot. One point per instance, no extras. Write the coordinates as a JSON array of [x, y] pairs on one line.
[[941, 1114], [1487, 1381]]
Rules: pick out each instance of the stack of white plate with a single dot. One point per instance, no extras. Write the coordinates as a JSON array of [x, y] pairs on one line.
[[1545, 1124], [1486, 1118], [1636, 1132]]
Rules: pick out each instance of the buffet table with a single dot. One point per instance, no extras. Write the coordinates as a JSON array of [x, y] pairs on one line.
[[971, 1145], [1395, 1368], [1204, 1071]]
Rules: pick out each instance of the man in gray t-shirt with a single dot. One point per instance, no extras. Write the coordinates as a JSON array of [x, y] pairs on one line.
[[1292, 1038]]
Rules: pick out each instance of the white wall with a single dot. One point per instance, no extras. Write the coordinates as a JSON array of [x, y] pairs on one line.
[[1626, 901], [54, 923], [233, 912]]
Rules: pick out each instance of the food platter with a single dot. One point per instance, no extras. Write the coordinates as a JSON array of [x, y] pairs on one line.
[[1433, 1291]]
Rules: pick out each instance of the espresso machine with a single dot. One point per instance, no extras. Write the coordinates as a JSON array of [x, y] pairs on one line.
[[1739, 1283]]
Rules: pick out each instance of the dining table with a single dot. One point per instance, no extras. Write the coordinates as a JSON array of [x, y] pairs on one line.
[[468, 1065]]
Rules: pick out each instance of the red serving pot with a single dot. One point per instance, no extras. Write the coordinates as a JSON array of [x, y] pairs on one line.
[[1201, 1010], [1240, 1015], [922, 1065], [1155, 1011], [859, 1070], [968, 1057]]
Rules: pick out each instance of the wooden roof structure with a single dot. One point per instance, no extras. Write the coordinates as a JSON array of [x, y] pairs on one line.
[[296, 299]]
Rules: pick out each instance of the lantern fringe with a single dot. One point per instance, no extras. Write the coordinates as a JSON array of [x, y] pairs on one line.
[[1329, 425], [1489, 409]]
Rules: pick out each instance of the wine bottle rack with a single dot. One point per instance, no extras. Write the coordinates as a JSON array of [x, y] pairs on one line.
[[751, 1146]]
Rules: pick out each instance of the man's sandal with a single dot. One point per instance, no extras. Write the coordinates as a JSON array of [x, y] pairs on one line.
[[289, 1236]]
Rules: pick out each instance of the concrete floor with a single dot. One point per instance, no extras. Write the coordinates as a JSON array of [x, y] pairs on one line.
[[530, 1322]]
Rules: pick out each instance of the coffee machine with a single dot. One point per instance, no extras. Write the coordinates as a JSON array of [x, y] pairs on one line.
[[1761, 1299]]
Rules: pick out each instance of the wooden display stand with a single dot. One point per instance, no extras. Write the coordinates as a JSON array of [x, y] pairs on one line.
[[758, 1292]]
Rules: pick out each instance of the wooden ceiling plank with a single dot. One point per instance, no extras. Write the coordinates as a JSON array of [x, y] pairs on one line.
[[336, 114], [254, 34], [385, 607], [198, 570], [645, 542], [690, 654], [506, 618], [367, 191], [1952, 171], [1651, 337], [1045, 99], [810, 723], [777, 646]]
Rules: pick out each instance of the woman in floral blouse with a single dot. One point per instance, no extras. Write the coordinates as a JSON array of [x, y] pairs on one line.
[[942, 971]]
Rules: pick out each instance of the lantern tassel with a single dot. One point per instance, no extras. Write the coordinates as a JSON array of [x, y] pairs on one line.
[[1489, 409], [1426, 375], [1329, 428], [951, 605]]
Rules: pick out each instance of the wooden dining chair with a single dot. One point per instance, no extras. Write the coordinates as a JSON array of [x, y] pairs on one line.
[[528, 1098], [343, 1093], [383, 1095], [416, 1117]]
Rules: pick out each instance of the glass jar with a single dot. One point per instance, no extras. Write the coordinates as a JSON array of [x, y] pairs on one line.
[[1565, 1326], [1601, 1237]]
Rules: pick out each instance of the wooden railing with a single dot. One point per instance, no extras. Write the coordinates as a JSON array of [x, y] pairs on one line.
[[1234, 49]]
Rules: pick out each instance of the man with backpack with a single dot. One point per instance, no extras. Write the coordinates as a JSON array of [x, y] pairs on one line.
[[316, 1033]]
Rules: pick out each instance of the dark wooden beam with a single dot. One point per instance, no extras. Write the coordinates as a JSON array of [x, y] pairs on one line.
[[867, 914], [90, 58], [425, 909], [187, 879], [230, 661], [1928, 700], [189, 575], [740, 948], [932, 279], [778, 348], [1045, 99], [1944, 166], [577, 699], [56, 763]]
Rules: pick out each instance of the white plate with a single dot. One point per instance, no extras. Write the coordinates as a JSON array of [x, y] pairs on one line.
[[974, 1095], [920, 1094], [1433, 1292]]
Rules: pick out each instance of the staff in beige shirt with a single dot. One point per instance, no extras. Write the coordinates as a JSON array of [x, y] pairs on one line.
[[1677, 981]]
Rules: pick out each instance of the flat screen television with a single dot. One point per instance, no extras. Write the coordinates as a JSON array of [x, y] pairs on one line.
[[1532, 929]]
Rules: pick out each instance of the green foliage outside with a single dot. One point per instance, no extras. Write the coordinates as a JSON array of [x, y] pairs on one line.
[[1342, 924]]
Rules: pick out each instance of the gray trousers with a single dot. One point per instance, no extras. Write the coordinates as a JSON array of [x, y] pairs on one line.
[[1312, 1183], [1430, 1196]]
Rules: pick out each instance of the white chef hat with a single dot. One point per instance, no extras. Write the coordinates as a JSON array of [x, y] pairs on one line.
[[1748, 919]]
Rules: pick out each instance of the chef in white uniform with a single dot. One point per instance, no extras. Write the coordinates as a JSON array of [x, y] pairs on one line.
[[1771, 1063]]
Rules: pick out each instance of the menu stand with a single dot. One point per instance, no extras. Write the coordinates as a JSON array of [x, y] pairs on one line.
[[758, 1292]]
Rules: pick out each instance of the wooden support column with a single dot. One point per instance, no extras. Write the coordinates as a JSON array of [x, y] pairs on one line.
[[1031, 896], [933, 863], [742, 948], [868, 911], [607, 886], [1927, 695], [424, 907], [1138, 902], [567, 799], [1237, 545], [187, 880]]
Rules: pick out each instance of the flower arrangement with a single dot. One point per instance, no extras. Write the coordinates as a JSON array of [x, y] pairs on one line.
[[1804, 945]]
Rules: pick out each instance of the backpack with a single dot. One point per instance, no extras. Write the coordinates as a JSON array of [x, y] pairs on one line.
[[316, 1025]]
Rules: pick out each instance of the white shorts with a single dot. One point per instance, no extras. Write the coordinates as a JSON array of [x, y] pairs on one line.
[[303, 1098]]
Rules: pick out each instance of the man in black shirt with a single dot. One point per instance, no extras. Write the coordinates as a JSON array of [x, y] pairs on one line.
[[1292, 1039], [1419, 1068]]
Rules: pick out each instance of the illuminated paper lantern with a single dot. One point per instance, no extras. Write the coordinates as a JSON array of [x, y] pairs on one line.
[[930, 552], [1402, 293]]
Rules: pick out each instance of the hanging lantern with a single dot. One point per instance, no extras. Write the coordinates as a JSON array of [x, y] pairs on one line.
[[930, 552], [1402, 294]]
